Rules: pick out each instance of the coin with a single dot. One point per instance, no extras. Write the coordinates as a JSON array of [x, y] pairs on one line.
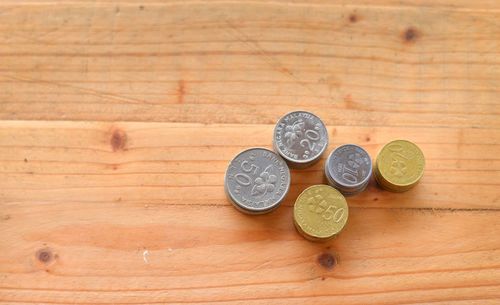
[[348, 169], [320, 212], [257, 180], [300, 137], [399, 166]]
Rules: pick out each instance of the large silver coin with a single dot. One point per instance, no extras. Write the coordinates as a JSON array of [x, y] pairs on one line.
[[300, 138], [257, 180], [349, 168]]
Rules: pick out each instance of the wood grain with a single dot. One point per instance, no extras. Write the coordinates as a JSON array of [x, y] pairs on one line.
[[202, 254], [118, 120], [168, 163], [247, 61]]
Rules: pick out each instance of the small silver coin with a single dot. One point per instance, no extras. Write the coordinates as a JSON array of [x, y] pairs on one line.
[[257, 180], [349, 168], [300, 137]]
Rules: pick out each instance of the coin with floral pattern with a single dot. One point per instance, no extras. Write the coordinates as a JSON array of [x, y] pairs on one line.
[[400, 165], [257, 180], [349, 166], [300, 137]]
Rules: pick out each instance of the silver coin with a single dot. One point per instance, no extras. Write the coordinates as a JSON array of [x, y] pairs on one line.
[[300, 138], [257, 180], [349, 168]]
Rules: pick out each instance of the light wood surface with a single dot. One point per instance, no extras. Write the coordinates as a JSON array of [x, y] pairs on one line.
[[118, 119]]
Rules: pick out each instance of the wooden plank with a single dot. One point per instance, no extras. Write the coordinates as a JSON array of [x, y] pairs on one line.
[[134, 253], [251, 61], [169, 163]]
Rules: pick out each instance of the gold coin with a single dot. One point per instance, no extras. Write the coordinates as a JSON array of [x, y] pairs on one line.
[[320, 212], [399, 166]]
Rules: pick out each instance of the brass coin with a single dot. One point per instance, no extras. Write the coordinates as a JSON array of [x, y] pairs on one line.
[[320, 212], [399, 166]]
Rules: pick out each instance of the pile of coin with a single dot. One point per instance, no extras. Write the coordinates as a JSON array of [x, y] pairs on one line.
[[348, 169], [257, 179], [300, 138], [399, 166], [320, 212]]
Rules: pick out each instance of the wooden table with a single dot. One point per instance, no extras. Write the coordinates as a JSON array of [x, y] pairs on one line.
[[118, 119]]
